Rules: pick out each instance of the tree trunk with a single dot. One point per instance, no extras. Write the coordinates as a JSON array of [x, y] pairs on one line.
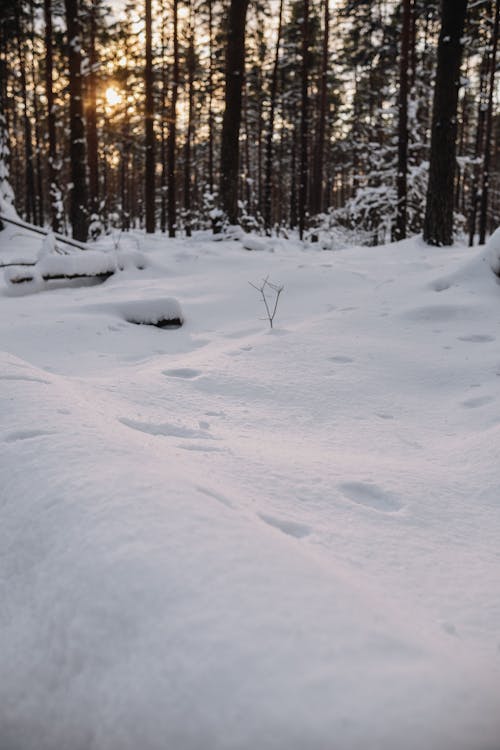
[[38, 135], [29, 187], [317, 181], [149, 188], [189, 131], [79, 191], [172, 133], [210, 100], [163, 142], [438, 223], [235, 68], [55, 195], [304, 114], [485, 184], [400, 226], [91, 117], [270, 131], [481, 111]]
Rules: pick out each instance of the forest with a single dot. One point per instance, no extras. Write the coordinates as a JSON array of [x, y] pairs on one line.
[[283, 116], [249, 375]]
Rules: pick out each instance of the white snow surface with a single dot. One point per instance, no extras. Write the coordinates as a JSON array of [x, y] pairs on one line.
[[223, 537]]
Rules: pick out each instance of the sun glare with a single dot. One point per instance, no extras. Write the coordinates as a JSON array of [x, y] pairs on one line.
[[112, 97]]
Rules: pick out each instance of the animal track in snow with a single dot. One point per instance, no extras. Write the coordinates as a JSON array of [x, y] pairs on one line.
[[477, 338], [26, 378], [297, 530], [182, 372], [340, 359], [216, 496], [165, 429], [200, 448], [438, 313], [13, 437], [474, 403], [370, 495]]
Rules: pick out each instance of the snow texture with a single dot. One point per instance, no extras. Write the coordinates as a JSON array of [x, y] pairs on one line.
[[229, 538]]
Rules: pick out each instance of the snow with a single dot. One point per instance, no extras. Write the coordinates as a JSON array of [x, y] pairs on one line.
[[493, 249], [227, 537]]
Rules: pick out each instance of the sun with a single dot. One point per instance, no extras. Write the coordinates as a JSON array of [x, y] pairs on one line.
[[113, 97]]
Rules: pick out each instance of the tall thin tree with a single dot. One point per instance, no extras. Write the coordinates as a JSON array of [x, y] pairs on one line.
[[485, 182], [29, 186], [402, 173], [191, 61], [79, 189], [91, 114], [317, 191], [54, 191], [304, 115], [172, 130], [270, 128], [149, 172], [438, 223], [235, 70]]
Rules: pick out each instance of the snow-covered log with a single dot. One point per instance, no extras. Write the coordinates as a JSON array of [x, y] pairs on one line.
[[164, 312], [93, 264]]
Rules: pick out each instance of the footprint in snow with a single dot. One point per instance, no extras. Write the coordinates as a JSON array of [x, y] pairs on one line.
[[201, 448], [13, 437], [371, 496], [182, 372], [477, 338], [340, 359], [291, 528], [216, 496], [25, 378], [165, 429], [474, 403]]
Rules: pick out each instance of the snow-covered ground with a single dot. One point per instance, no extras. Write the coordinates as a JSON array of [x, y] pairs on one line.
[[222, 537]]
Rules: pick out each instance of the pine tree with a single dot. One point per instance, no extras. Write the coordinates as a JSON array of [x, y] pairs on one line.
[[235, 71], [438, 224], [149, 188], [79, 190]]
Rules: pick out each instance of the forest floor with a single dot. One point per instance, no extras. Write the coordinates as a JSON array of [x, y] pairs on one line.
[[223, 537]]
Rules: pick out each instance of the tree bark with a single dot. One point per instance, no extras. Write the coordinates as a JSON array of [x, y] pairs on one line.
[[438, 223], [235, 69]]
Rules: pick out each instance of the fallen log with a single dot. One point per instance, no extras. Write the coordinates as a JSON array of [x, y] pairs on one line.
[[40, 230]]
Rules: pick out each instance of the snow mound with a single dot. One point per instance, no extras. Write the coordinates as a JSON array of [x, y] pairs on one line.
[[472, 273], [131, 259], [493, 251], [163, 312], [257, 244]]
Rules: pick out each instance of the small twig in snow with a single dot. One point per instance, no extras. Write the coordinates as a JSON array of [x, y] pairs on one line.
[[277, 289]]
